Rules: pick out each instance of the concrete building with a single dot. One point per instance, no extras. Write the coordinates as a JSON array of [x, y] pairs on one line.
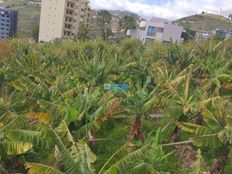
[[220, 33], [8, 23], [157, 29], [62, 18]]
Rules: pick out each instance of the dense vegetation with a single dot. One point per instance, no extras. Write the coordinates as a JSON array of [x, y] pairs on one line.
[[56, 117]]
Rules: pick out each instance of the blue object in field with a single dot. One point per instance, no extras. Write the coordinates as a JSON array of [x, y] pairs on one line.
[[123, 87]]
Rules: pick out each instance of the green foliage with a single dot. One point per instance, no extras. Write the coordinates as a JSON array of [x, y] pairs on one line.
[[39, 168], [56, 116], [198, 163], [83, 32], [127, 22], [103, 21]]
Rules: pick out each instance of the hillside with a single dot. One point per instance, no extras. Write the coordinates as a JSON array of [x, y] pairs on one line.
[[28, 18], [120, 14], [205, 22]]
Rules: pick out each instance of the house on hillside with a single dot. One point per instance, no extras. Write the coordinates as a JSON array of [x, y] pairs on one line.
[[221, 33], [157, 29]]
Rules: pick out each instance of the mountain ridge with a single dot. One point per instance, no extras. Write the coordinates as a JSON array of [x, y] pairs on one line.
[[205, 22]]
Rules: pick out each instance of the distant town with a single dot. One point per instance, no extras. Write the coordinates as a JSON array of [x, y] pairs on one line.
[[74, 19]]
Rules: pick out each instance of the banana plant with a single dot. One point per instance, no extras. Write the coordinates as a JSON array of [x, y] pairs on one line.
[[140, 158], [138, 104], [72, 156], [181, 97], [214, 132], [215, 72]]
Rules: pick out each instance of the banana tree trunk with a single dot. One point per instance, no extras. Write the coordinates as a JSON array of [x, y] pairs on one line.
[[177, 131], [176, 134], [135, 131]]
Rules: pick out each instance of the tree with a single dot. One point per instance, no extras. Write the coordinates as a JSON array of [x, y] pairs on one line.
[[127, 22], [138, 104], [104, 23], [35, 33], [83, 32], [189, 34]]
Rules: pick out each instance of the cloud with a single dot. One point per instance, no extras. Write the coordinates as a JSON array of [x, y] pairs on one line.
[[170, 9]]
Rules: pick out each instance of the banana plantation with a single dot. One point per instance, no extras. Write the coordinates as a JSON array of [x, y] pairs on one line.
[[174, 115]]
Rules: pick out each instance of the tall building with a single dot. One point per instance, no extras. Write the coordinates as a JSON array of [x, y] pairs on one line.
[[8, 23], [62, 18], [157, 29]]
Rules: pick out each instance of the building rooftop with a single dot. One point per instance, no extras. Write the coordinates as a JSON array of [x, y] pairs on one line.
[[159, 20]]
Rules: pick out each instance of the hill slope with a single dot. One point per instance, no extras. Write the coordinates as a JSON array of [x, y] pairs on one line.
[[28, 18], [205, 22]]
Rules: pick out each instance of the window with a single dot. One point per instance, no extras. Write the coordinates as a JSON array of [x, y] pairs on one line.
[[68, 19], [160, 30], [151, 31], [67, 26], [69, 12], [66, 33]]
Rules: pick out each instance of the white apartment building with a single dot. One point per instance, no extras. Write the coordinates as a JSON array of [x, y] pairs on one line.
[[61, 18], [157, 29]]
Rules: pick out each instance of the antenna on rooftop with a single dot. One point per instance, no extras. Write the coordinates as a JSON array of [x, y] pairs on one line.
[[220, 11]]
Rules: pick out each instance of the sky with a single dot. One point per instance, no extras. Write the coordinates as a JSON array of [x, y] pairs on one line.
[[169, 9]]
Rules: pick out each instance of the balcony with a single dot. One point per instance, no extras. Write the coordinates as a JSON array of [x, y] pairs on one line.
[[69, 15], [68, 22], [69, 27], [71, 1], [70, 8]]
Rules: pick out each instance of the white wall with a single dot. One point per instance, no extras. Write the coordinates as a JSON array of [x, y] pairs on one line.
[[51, 20], [170, 31]]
